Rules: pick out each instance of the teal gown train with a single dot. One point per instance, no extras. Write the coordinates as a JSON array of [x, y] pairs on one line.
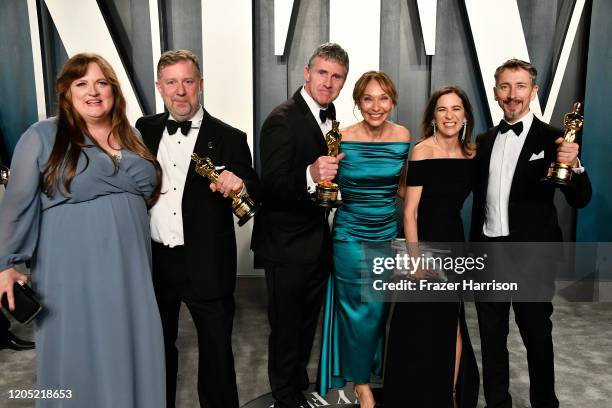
[[353, 331]]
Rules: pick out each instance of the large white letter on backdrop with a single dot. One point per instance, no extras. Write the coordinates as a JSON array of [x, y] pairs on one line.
[[355, 25], [495, 44], [228, 81], [81, 26]]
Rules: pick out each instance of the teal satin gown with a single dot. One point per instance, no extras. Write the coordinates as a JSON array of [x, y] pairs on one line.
[[353, 331]]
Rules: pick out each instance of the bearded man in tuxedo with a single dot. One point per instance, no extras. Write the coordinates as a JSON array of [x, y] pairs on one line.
[[192, 225], [512, 205]]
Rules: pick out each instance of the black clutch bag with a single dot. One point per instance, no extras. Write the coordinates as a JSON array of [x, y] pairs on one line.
[[27, 307]]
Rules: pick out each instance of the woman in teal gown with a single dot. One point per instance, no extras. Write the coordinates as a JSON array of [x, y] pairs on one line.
[[369, 179]]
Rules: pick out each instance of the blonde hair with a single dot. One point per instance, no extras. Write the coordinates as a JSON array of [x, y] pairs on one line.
[[172, 57]]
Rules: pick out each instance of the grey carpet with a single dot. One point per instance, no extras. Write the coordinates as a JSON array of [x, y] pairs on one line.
[[582, 334]]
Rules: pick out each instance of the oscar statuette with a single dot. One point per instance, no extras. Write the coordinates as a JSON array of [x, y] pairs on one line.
[[560, 174], [326, 193], [242, 205]]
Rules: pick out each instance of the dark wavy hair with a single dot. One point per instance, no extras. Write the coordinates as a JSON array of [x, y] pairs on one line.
[[71, 127], [428, 116]]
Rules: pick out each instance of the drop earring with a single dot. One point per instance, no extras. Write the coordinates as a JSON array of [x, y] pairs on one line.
[[464, 128], [433, 125]]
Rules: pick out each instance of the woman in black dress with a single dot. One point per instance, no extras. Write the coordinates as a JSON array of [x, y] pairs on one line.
[[430, 361]]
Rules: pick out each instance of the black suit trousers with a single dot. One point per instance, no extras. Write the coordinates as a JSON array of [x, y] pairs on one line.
[[535, 327], [213, 320], [295, 295]]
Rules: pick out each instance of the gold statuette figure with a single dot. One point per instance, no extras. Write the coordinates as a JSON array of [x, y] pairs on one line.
[[326, 194], [242, 205], [560, 174], [5, 172]]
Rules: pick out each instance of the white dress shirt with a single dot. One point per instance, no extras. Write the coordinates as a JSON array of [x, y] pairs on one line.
[[504, 156], [174, 156], [325, 127]]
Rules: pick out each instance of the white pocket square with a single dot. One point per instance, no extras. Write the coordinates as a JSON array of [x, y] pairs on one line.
[[537, 156], [223, 167]]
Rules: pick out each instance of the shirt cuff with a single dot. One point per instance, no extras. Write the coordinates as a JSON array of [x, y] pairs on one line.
[[579, 169], [244, 189], [310, 184]]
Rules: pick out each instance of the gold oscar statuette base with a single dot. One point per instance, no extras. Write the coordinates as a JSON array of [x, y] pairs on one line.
[[326, 195], [244, 209], [559, 174], [243, 205]]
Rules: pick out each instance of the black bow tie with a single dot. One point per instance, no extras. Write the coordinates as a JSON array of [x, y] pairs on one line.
[[505, 126], [329, 113], [173, 126]]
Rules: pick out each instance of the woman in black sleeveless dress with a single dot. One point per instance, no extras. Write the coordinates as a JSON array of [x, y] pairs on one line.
[[430, 360]]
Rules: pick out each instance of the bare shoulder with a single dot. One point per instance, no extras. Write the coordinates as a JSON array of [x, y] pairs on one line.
[[396, 133], [402, 132], [422, 150], [350, 132]]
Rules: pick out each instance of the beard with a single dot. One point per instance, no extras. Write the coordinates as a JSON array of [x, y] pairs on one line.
[[182, 112], [513, 114]]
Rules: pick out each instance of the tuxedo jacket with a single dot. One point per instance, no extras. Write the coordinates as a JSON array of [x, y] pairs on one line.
[[208, 220], [532, 215], [289, 227]]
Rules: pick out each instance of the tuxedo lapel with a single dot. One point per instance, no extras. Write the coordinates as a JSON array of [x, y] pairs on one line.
[[533, 144], [310, 120], [205, 146], [485, 149], [155, 133]]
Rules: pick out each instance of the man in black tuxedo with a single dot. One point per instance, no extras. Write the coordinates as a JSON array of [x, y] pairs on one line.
[[7, 339], [192, 225], [291, 234], [512, 205]]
